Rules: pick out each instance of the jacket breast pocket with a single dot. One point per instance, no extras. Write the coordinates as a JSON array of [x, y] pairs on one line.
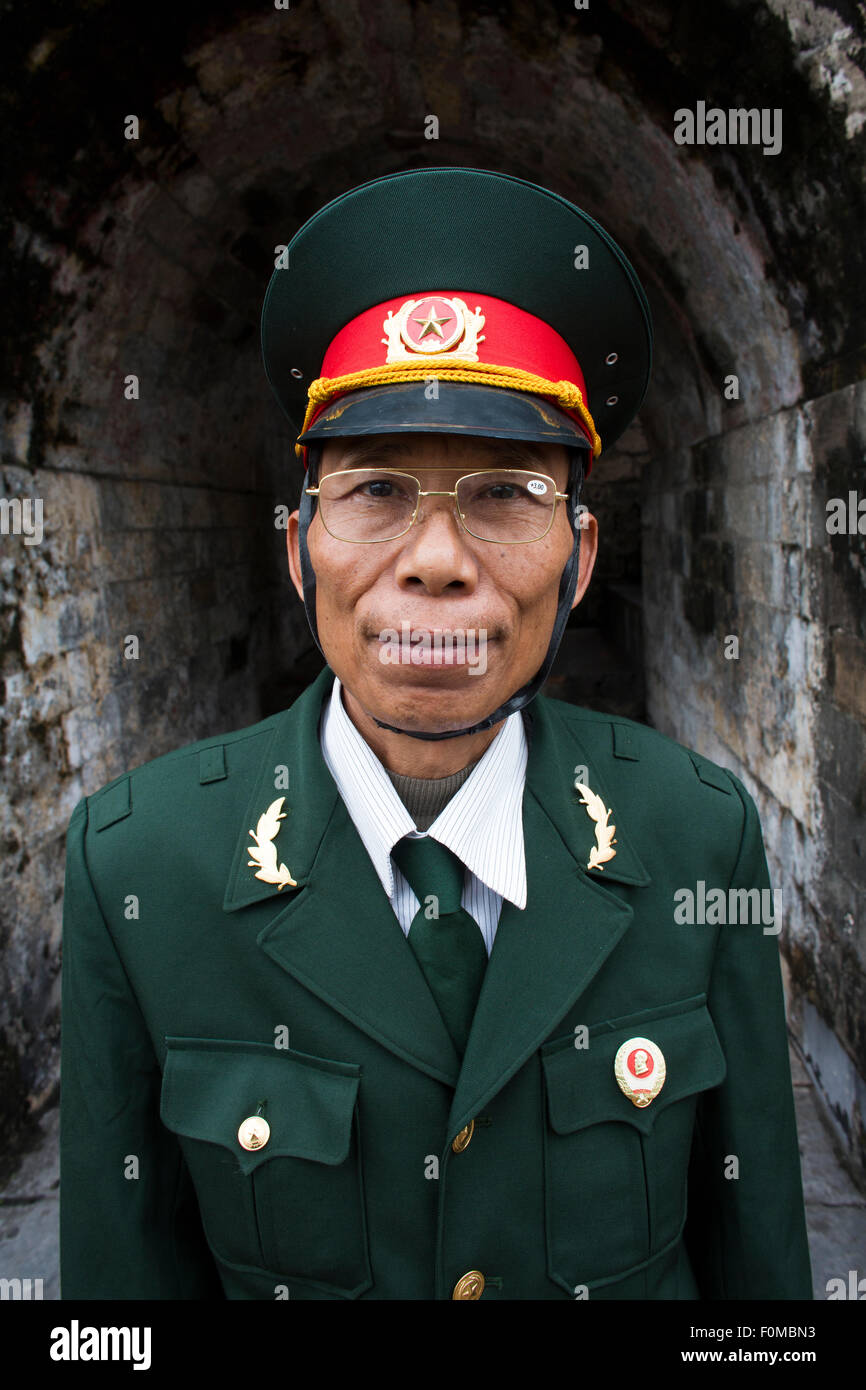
[[616, 1173], [294, 1206]]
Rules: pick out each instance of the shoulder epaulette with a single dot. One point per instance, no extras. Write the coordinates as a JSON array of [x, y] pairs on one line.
[[710, 774], [111, 804]]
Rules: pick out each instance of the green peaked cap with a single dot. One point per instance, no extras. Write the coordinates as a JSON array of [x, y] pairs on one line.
[[475, 230]]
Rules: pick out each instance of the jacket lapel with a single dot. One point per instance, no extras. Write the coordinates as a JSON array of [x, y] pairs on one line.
[[336, 932], [546, 955]]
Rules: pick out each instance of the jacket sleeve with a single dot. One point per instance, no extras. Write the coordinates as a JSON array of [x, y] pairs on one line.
[[129, 1221], [746, 1228]]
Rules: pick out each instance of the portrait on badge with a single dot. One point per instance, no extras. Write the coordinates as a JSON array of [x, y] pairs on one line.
[[421, 1014]]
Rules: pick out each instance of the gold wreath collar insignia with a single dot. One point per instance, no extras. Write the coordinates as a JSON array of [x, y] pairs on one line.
[[602, 850], [265, 852]]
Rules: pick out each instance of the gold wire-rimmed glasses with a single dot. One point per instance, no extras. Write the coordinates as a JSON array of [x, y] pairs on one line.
[[508, 506]]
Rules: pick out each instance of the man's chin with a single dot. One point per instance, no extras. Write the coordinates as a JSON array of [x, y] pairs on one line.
[[433, 701], [413, 721]]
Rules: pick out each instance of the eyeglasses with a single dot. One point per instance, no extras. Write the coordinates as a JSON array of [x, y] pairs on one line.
[[505, 505]]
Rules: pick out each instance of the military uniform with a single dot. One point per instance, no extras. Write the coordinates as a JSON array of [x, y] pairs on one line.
[[260, 1097], [391, 1171]]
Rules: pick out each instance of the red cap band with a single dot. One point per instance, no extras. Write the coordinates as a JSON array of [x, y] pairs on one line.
[[446, 329]]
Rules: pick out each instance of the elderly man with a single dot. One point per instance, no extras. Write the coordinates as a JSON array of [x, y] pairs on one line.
[[408, 1008]]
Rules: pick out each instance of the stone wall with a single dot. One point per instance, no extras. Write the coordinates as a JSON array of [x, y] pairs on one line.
[[736, 547]]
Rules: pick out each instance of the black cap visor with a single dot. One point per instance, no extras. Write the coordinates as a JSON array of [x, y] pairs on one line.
[[456, 408]]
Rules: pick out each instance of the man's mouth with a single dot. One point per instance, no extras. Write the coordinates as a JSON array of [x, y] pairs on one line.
[[441, 653], [414, 645]]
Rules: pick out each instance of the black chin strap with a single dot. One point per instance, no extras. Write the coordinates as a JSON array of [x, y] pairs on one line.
[[567, 588], [306, 511]]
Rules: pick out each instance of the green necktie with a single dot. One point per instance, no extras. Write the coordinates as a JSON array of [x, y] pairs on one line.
[[449, 947]]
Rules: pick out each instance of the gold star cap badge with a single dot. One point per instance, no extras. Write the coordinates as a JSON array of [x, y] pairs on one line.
[[433, 324], [640, 1070]]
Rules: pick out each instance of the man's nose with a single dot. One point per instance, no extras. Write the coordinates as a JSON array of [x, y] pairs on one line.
[[436, 552]]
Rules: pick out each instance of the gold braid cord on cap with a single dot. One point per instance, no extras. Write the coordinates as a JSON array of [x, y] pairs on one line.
[[564, 393]]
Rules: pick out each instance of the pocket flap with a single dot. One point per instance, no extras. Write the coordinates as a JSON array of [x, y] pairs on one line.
[[581, 1086], [211, 1085]]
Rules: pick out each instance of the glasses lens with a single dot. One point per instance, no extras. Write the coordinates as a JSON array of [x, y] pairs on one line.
[[367, 504], [507, 504]]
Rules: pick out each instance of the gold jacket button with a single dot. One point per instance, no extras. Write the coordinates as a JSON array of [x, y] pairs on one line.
[[471, 1285], [462, 1140], [254, 1133]]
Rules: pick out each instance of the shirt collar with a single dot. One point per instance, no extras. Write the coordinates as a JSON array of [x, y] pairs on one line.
[[482, 823]]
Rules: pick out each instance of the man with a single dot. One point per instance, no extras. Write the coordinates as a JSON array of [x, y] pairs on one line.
[[330, 1055]]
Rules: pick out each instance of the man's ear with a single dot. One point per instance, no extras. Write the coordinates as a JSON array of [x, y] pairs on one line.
[[588, 552], [293, 550]]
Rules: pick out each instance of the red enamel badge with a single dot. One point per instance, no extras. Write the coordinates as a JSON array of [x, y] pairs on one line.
[[639, 1067]]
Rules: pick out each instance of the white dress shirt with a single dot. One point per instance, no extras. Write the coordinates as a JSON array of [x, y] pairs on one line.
[[482, 823]]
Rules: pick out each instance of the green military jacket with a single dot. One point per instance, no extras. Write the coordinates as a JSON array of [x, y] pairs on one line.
[[195, 995]]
